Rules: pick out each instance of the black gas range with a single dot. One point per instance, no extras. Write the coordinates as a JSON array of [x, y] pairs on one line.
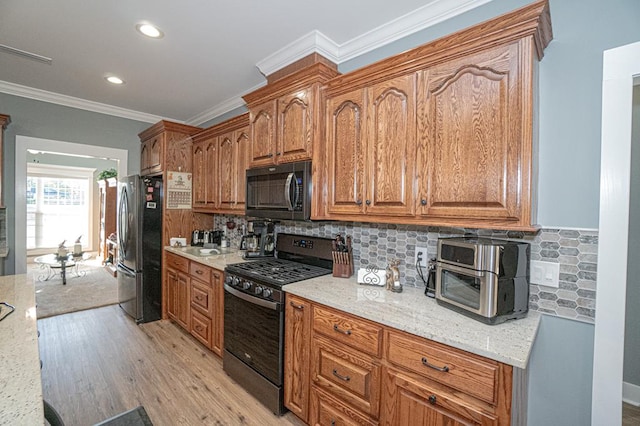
[[254, 313]]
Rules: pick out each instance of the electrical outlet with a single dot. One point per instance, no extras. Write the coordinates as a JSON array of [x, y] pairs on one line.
[[421, 256], [545, 273]]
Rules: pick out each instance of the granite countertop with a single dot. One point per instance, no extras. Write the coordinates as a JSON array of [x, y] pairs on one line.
[[410, 311], [218, 261], [415, 313], [20, 381]]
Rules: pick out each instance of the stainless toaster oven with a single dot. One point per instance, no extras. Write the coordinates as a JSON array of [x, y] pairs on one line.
[[487, 279]]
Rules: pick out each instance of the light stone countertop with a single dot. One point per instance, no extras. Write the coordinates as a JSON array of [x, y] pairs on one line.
[[415, 313], [20, 380], [218, 261], [410, 311]]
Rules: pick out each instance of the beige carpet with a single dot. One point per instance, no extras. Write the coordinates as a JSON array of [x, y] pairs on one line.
[[94, 289]]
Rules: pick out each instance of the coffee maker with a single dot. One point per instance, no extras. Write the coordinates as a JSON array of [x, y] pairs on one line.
[[260, 240]]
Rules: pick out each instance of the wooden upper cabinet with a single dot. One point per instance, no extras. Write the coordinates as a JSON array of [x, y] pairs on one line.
[[447, 128], [165, 146], [263, 134], [220, 181], [477, 159], [285, 116], [346, 153], [295, 121], [391, 136], [371, 149]]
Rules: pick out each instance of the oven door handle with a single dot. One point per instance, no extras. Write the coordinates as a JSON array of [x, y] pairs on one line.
[[275, 306]]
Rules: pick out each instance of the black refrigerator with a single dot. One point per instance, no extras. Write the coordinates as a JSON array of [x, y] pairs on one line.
[[140, 247]]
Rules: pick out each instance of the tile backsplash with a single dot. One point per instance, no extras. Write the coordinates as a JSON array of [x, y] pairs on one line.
[[376, 244]]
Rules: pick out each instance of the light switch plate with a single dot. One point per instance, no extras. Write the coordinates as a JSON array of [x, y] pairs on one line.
[[545, 273]]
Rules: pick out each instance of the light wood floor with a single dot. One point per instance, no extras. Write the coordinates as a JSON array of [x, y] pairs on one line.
[[98, 363], [630, 415]]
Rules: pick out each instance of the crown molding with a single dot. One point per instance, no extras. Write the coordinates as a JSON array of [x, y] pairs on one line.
[[224, 107], [83, 104], [316, 42]]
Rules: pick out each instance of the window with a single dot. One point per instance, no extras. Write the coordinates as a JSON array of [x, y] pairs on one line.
[[58, 205]]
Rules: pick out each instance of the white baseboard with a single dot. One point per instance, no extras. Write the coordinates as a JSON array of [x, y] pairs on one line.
[[631, 394]]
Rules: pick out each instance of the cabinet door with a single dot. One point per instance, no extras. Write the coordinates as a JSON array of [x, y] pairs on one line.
[[199, 175], [326, 410], [183, 299], [154, 156], [226, 167], [296, 354], [346, 153], [263, 136], [295, 127], [144, 157], [172, 294], [217, 338], [391, 137], [471, 112], [409, 401], [211, 172], [242, 160]]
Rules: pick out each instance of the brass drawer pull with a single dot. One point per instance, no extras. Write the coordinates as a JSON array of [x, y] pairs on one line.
[[299, 307], [341, 377], [336, 328], [426, 363]]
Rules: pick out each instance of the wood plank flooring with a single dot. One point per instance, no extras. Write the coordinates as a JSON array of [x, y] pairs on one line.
[[98, 363], [630, 415]]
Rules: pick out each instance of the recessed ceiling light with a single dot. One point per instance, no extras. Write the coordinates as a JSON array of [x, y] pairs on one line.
[[149, 30], [114, 80]]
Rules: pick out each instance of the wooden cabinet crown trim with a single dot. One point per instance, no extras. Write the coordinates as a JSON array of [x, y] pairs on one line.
[[302, 79], [533, 20], [4, 121], [230, 125], [167, 126]]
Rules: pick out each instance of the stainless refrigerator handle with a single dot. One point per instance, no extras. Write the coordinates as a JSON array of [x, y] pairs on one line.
[[287, 190], [123, 216]]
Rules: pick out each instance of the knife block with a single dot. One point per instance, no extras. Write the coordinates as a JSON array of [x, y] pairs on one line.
[[342, 264]]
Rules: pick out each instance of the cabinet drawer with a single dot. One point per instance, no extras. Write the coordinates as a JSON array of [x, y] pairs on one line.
[[201, 328], [469, 373], [202, 297], [201, 272], [178, 262], [331, 412], [350, 330], [350, 376]]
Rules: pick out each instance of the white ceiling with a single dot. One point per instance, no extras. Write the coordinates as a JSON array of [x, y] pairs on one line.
[[208, 58]]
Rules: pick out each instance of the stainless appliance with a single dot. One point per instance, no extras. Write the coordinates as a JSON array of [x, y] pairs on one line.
[[260, 241], [200, 237], [140, 247], [280, 192], [254, 313], [487, 279]]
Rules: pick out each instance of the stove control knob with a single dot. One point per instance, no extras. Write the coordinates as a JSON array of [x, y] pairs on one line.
[[258, 289], [228, 280], [246, 285], [266, 292], [236, 281]]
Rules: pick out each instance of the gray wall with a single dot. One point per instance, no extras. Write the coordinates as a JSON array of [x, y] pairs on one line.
[[560, 374], [48, 121], [632, 319]]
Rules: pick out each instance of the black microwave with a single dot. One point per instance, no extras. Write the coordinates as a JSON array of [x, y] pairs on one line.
[[280, 192]]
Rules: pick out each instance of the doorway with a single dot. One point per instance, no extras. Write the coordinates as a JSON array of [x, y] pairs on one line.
[[620, 74], [23, 145]]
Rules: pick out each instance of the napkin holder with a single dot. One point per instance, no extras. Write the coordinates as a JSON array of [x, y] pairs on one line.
[[372, 276]]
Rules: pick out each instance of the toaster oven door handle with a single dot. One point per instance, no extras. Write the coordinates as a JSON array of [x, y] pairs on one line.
[[287, 190], [466, 271]]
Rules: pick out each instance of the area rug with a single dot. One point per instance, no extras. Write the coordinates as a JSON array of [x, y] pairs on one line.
[[93, 288]]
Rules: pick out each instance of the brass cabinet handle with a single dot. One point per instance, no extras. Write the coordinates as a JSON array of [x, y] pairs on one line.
[[300, 307], [425, 362], [336, 328], [341, 377]]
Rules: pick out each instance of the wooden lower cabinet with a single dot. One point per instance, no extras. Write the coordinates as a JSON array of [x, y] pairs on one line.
[[346, 370], [196, 300]]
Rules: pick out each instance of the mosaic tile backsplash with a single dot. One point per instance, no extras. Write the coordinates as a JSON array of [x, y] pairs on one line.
[[376, 244]]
